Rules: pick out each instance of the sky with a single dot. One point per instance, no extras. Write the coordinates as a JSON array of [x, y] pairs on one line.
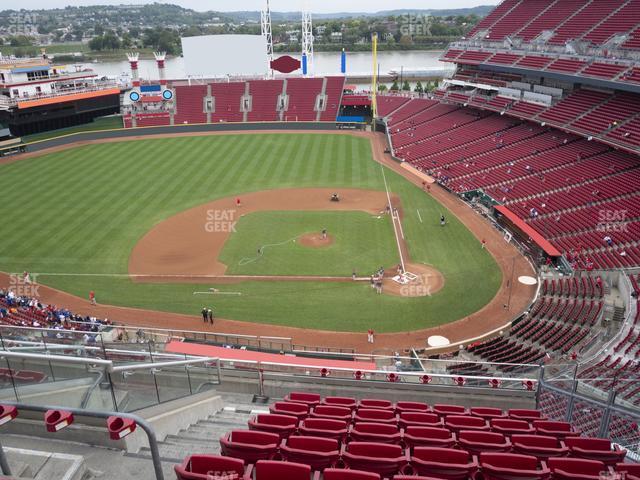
[[320, 6]]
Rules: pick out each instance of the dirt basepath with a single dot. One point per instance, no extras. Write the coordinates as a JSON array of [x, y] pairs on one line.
[[492, 316]]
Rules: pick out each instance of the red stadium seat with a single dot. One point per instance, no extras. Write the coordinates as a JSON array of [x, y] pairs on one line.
[[444, 463], [199, 467], [283, 425], [512, 466], [475, 442], [375, 432], [332, 412], [428, 437], [540, 446], [411, 407], [317, 452], [631, 470], [455, 423], [346, 402], [525, 414], [555, 429], [249, 445], [344, 474], [575, 468], [413, 477], [375, 415], [375, 403], [419, 419], [595, 449], [381, 458], [298, 410], [310, 399], [508, 426], [487, 412], [274, 470], [442, 409], [324, 427]]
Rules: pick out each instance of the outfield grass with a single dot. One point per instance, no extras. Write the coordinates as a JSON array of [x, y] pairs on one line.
[[361, 243], [81, 212], [103, 123]]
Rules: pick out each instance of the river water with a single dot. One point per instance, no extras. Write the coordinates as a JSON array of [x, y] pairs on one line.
[[326, 63]]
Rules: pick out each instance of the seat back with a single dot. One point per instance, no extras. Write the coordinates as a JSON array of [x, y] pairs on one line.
[[589, 443], [373, 449], [445, 409], [197, 467], [486, 412], [253, 437], [342, 474], [328, 424], [375, 414], [428, 432], [303, 397], [412, 417], [509, 460], [375, 403], [553, 427], [274, 470], [294, 408], [464, 421], [525, 414], [276, 419], [630, 469], [411, 407], [575, 468], [486, 438], [441, 455], [376, 428], [509, 425], [314, 444], [347, 402], [331, 411], [535, 441]]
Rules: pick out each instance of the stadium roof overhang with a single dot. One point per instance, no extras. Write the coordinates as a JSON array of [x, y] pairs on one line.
[[528, 230]]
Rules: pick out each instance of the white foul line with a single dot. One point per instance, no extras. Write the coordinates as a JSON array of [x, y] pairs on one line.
[[393, 220], [419, 216]]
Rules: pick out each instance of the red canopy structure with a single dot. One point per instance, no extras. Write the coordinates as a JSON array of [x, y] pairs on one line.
[[529, 231]]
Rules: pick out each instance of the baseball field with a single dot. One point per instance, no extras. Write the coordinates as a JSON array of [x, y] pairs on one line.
[[157, 223]]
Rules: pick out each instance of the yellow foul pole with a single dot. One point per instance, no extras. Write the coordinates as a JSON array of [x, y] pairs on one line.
[[374, 76]]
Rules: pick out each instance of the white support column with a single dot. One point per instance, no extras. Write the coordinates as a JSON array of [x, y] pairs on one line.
[[265, 22], [307, 39]]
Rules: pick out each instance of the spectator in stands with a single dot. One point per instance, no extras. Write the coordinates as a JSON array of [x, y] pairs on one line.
[[608, 240]]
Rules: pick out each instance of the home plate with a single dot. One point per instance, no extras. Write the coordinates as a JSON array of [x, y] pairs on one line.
[[437, 341], [526, 280], [406, 277]]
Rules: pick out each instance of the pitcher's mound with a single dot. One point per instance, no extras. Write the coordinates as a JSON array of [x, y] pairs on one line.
[[315, 240]]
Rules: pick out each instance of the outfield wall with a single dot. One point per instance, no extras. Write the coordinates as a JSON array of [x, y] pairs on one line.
[[166, 130]]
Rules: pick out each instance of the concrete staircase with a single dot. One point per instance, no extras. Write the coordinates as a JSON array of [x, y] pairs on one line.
[[203, 436]]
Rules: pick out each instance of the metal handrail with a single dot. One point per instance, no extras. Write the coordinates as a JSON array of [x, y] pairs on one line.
[[146, 366], [146, 426], [106, 364]]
